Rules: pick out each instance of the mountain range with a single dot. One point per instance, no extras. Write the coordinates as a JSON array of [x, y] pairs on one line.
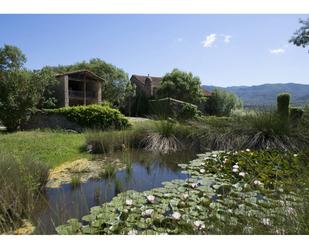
[[266, 94]]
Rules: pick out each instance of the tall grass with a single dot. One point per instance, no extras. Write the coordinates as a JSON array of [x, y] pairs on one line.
[[21, 182], [259, 130], [158, 136]]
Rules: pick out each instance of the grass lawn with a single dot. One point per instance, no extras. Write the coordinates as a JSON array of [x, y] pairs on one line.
[[50, 147]]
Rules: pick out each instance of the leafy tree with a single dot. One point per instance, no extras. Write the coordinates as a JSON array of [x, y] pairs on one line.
[[182, 86], [301, 36], [20, 89], [129, 98], [11, 58], [49, 83], [115, 79], [221, 103]]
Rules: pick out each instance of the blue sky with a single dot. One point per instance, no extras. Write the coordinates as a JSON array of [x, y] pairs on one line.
[[222, 50]]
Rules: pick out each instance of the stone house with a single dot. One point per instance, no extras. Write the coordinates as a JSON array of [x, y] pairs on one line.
[[149, 85], [80, 87]]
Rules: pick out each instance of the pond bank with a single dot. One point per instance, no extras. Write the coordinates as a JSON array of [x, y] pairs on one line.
[[84, 169]]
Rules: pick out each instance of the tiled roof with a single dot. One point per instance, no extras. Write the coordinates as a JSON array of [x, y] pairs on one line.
[[142, 79]]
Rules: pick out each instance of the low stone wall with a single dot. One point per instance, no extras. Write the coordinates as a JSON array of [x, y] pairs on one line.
[[43, 120]]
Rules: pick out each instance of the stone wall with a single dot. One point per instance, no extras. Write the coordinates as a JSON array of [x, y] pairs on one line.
[[43, 120]]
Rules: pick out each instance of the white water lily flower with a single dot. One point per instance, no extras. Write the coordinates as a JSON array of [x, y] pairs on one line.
[[295, 155], [147, 212], [151, 198], [202, 171], [176, 215], [199, 224], [242, 174], [132, 232], [129, 202], [257, 182], [235, 170], [266, 221], [194, 185], [248, 150], [235, 166]]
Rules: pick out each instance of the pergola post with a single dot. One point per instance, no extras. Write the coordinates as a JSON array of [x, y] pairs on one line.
[[99, 92], [85, 91], [66, 90]]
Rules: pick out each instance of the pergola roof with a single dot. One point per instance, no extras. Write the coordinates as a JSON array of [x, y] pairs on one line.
[[86, 72]]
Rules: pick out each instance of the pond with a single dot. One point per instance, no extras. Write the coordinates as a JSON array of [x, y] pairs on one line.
[[147, 170]]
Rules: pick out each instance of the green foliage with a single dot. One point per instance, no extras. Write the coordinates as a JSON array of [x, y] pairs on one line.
[[49, 81], [181, 86], [250, 192], [20, 90], [109, 171], [221, 103], [301, 36], [140, 106], [21, 182], [75, 181], [94, 116], [283, 105], [115, 79], [11, 58], [296, 114]]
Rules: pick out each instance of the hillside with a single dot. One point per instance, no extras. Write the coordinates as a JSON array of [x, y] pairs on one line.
[[265, 94]]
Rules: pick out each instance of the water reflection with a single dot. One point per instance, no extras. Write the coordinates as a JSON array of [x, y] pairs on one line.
[[145, 171]]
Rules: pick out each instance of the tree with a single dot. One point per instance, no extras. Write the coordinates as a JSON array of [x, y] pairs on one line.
[[301, 36], [221, 103], [129, 97], [11, 58], [20, 89], [182, 86], [49, 83], [115, 79]]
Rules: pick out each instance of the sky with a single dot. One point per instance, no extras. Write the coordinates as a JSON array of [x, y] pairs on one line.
[[223, 50]]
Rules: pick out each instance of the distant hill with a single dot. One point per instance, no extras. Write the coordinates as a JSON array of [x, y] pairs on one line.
[[266, 94]]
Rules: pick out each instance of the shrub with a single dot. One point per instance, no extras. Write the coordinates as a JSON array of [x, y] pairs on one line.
[[283, 103], [94, 116], [221, 103], [296, 114]]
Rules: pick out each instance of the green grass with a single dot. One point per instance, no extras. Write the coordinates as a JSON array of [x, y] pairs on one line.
[[49, 147]]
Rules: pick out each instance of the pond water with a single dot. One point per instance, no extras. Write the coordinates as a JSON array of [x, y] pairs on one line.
[[146, 171]]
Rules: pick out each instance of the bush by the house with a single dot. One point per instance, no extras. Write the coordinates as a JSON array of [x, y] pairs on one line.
[[94, 116], [221, 103]]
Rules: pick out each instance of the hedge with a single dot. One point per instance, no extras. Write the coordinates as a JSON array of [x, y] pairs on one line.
[[169, 107], [94, 116]]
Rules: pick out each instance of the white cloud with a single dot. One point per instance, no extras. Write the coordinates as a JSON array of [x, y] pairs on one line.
[[209, 40], [227, 38], [277, 51]]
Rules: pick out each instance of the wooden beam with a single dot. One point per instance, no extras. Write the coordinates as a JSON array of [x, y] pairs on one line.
[[85, 91]]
